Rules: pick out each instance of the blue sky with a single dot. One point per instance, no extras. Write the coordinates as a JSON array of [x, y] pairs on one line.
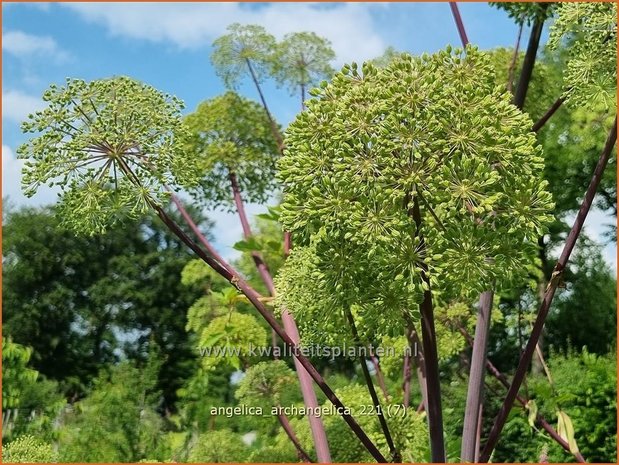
[[168, 45]]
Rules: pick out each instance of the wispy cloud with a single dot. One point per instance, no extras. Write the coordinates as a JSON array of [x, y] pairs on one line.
[[23, 45], [348, 26], [17, 105]]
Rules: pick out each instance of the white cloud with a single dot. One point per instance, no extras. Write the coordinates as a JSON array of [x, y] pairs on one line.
[[17, 105], [21, 45], [348, 26]]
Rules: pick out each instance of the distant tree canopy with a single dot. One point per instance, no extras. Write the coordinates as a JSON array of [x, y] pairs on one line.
[[84, 302]]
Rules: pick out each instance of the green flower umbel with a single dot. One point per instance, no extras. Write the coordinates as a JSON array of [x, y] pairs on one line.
[[111, 145], [435, 132]]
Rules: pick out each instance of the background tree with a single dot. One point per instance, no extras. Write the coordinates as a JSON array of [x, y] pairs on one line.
[[80, 301], [118, 420]]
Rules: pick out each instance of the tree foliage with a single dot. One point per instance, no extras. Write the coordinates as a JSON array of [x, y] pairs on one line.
[[118, 420], [80, 301], [15, 372]]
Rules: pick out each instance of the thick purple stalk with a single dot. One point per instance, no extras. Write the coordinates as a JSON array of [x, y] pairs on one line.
[[255, 299], [470, 443], [430, 353], [283, 420], [559, 267], [263, 270], [319, 435], [459, 24], [528, 63], [551, 111]]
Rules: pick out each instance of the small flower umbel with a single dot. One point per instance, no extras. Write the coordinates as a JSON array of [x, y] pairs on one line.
[[112, 146]]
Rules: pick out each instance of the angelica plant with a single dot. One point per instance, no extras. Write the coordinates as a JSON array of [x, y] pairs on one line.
[[301, 60], [420, 175], [434, 130]]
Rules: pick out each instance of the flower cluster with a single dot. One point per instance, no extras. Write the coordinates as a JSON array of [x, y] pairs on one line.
[[232, 135], [111, 145], [433, 133], [590, 30]]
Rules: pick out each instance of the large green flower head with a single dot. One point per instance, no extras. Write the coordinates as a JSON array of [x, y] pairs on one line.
[[232, 135], [111, 145], [247, 48], [590, 29], [433, 132]]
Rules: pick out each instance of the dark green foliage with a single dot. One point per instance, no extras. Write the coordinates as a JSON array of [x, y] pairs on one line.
[[69, 297], [585, 313]]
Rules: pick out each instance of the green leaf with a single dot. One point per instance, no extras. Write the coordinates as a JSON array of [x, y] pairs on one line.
[[532, 408], [248, 245], [565, 428]]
